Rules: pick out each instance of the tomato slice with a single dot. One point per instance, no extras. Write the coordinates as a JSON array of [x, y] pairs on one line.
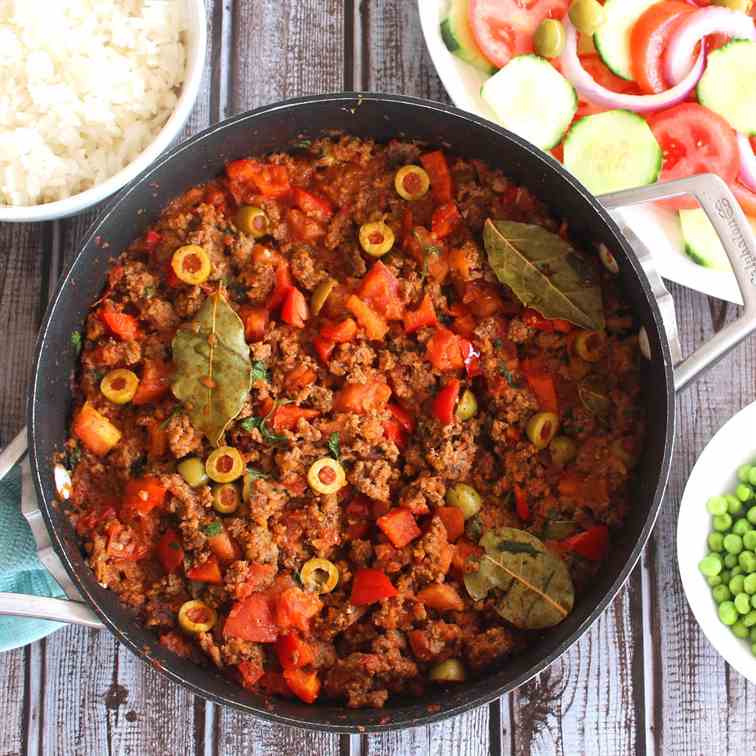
[[601, 74], [505, 28], [745, 197], [694, 140], [648, 40]]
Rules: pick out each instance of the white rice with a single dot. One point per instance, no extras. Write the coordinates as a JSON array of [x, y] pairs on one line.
[[85, 85]]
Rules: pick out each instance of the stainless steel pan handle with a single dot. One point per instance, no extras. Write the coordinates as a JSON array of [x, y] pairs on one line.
[[736, 236]]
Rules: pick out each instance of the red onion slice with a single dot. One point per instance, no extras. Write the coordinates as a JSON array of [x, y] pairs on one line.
[[573, 69], [747, 163], [694, 27]]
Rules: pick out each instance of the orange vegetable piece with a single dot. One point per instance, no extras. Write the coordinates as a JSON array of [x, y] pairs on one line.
[[374, 325], [441, 597], [422, 317], [399, 526], [440, 177], [169, 551], [94, 430], [361, 398], [154, 383], [304, 685], [454, 521], [370, 585], [443, 350], [206, 572], [340, 332], [120, 324], [294, 609], [143, 494], [293, 652], [294, 310], [380, 289], [251, 619]]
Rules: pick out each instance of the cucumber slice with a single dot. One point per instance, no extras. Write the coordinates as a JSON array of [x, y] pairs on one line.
[[611, 151], [612, 40], [701, 241], [530, 97], [728, 85], [455, 31]]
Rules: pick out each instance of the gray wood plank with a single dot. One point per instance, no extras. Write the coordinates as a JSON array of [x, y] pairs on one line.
[[12, 702]]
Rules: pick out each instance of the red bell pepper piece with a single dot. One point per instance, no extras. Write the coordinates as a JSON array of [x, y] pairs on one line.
[[369, 586], [374, 325], [169, 551], [304, 685], [444, 351], [142, 495], [445, 219], [463, 550], [314, 205], [405, 420], [521, 504], [323, 348], [542, 385], [251, 673], [299, 377], [151, 240], [294, 609], [445, 402], [269, 180], [120, 324], [255, 321], [226, 549], [380, 289], [591, 544], [251, 619], [440, 177], [294, 310], [454, 522], [534, 319], [283, 285], [394, 432], [293, 652], [273, 684], [207, 572], [341, 332], [422, 317], [154, 383], [399, 526]]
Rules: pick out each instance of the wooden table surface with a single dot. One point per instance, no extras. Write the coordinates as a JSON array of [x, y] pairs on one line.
[[643, 679]]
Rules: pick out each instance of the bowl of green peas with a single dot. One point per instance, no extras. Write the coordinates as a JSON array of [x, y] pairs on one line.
[[716, 542]]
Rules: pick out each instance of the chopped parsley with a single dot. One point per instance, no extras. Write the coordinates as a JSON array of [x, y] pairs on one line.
[[76, 341], [268, 435], [259, 372], [334, 446], [149, 292], [167, 420], [498, 343], [73, 455], [213, 529], [511, 380]]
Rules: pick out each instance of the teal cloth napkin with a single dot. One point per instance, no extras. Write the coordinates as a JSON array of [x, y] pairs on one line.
[[20, 570]]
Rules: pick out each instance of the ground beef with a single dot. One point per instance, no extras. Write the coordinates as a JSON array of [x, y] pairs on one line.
[[488, 647], [183, 437]]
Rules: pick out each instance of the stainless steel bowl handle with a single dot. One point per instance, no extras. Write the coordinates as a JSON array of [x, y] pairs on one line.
[[72, 611], [738, 241]]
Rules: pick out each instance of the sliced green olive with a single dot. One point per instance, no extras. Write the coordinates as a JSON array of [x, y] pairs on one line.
[[467, 406], [563, 450], [589, 345], [451, 670], [411, 182], [253, 221], [319, 575], [587, 16], [196, 617], [226, 498], [541, 428], [549, 38], [326, 476], [224, 465], [192, 470], [320, 295], [464, 497], [376, 238], [119, 386], [191, 264]]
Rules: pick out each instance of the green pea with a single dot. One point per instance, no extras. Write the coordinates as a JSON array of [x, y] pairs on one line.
[[741, 526], [736, 584], [739, 630], [716, 541], [587, 15], [743, 473], [747, 560], [733, 543], [753, 648], [753, 604], [728, 614], [750, 619], [710, 565], [753, 634], [742, 603], [717, 505], [749, 540], [749, 584], [549, 38], [721, 593], [465, 498], [714, 580], [192, 470], [734, 504], [721, 522], [725, 576], [736, 570], [752, 476], [744, 492], [467, 406], [751, 515], [730, 561]]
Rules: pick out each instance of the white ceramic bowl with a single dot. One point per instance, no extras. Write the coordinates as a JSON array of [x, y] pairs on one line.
[[196, 50], [713, 474]]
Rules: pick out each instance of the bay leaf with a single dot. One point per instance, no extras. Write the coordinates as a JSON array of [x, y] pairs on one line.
[[545, 272], [533, 586], [213, 369]]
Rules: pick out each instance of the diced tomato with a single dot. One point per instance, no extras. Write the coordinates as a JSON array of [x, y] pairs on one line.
[[269, 180], [215, 197], [303, 228], [542, 385], [454, 522], [460, 262], [304, 685], [440, 177], [293, 652], [282, 287], [94, 430], [380, 289], [323, 348], [314, 205], [299, 377], [521, 504], [273, 684], [482, 299], [470, 357], [224, 547], [255, 321], [169, 551], [295, 608], [286, 416], [399, 526], [294, 310], [154, 383], [441, 597], [93, 517], [361, 398], [423, 317], [374, 325], [591, 544], [534, 319], [143, 494], [258, 577], [429, 252], [394, 432], [405, 420], [443, 350], [370, 585], [340, 332], [463, 550], [207, 572], [694, 140], [157, 440], [599, 72], [445, 402], [250, 672], [125, 543], [251, 619], [120, 324], [445, 219]]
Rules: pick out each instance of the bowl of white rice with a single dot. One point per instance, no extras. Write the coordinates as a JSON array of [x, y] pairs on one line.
[[91, 92]]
